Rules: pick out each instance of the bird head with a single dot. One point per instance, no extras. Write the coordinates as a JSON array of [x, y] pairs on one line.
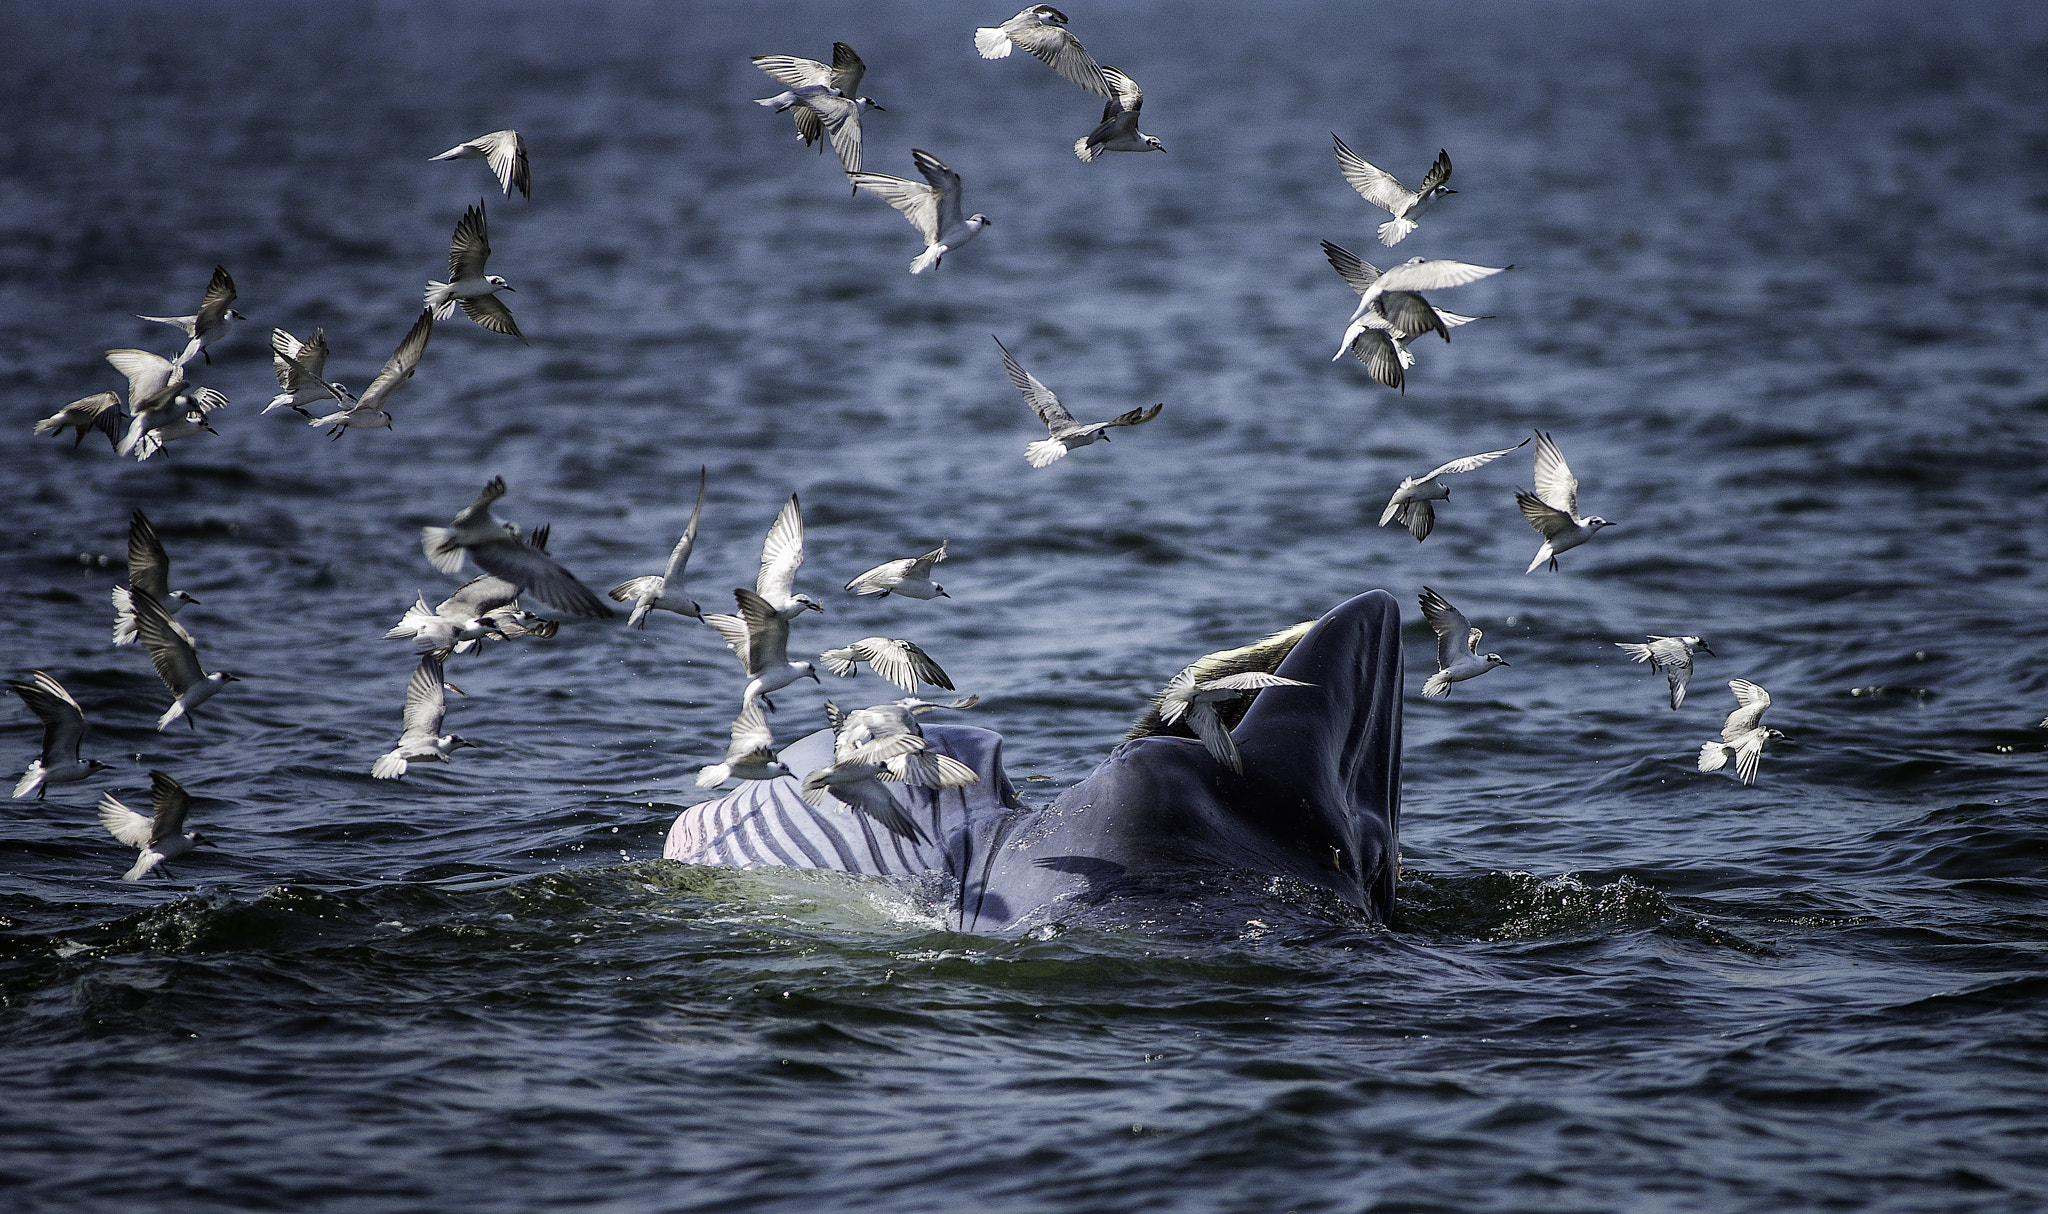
[[234, 315], [1774, 735], [225, 677], [182, 597], [774, 767], [1596, 522], [199, 840], [1442, 190], [1494, 659], [498, 282], [1152, 144], [1048, 15], [1700, 643], [869, 103], [92, 765], [456, 742], [978, 221], [940, 591], [199, 419], [342, 391], [812, 671]]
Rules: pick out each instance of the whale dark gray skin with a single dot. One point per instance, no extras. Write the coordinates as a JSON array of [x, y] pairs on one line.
[[1318, 803]]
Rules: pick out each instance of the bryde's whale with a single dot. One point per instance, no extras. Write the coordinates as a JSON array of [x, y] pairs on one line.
[[1318, 802]]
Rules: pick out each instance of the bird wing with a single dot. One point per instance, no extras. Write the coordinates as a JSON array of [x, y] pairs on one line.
[[213, 306], [471, 246], [798, 72], [922, 566], [732, 630], [1438, 174], [149, 567], [1748, 752], [1470, 462], [124, 823], [841, 119], [1134, 417], [1549, 521], [479, 511], [767, 633], [1037, 395], [1357, 273], [1421, 275], [1374, 184], [1129, 97], [781, 553], [881, 577], [900, 662], [170, 802], [873, 798], [478, 596], [1678, 673], [151, 377], [1555, 483], [426, 701], [1383, 357], [1409, 314], [1750, 703], [490, 312], [535, 572], [809, 127], [1063, 53], [945, 184], [847, 70], [919, 203], [506, 151], [1208, 726], [63, 720], [297, 360], [175, 659], [403, 361], [1251, 680], [679, 556], [750, 734], [1450, 625]]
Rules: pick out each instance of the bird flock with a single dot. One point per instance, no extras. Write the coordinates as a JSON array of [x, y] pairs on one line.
[[872, 746]]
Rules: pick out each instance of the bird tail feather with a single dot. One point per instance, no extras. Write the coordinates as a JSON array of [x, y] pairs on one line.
[[1084, 151], [927, 259], [389, 767], [1045, 451], [1394, 231], [713, 776], [1438, 686], [441, 298], [992, 42], [29, 779], [1713, 756]]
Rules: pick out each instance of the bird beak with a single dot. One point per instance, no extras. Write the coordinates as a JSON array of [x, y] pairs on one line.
[[944, 595], [876, 107], [1449, 191], [1709, 652], [1505, 662], [191, 600], [230, 678], [814, 677], [817, 607]]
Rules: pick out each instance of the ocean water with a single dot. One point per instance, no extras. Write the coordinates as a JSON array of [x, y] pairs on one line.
[[1781, 294]]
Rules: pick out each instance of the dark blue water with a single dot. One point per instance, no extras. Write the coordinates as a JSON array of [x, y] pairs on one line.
[[1781, 291]]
